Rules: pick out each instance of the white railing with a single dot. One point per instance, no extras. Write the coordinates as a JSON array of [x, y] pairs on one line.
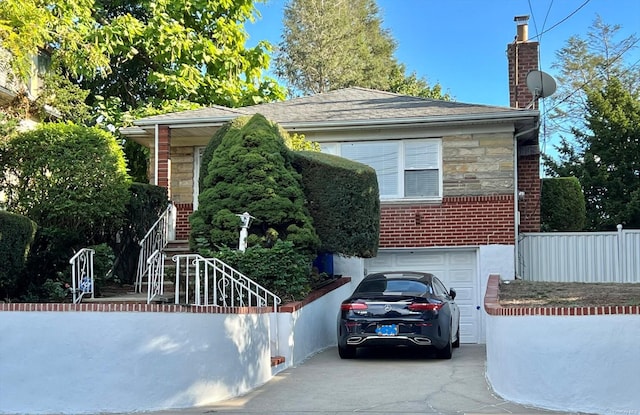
[[82, 280], [155, 240], [155, 267], [209, 281]]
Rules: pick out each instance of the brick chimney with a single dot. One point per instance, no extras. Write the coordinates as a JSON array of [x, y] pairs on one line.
[[523, 57]]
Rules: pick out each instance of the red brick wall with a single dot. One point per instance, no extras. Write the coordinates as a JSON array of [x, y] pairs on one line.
[[164, 151], [529, 183], [458, 221], [183, 228], [522, 57]]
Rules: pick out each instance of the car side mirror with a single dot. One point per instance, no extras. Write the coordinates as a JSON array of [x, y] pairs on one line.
[[452, 293]]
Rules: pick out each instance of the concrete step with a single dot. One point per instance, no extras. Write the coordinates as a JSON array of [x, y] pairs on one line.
[[175, 247]]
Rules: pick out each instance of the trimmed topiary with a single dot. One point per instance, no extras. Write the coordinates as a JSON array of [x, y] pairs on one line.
[[344, 201], [250, 171]]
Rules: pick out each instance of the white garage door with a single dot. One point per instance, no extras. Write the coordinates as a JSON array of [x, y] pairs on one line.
[[457, 269]]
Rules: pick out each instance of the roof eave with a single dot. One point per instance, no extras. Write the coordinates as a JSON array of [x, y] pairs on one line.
[[331, 124]]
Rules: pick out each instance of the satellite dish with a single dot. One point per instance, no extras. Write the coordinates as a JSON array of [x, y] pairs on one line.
[[540, 84]]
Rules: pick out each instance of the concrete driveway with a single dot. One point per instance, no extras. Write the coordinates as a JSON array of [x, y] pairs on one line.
[[377, 382]]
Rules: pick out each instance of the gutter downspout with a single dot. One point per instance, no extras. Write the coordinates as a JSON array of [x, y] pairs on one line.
[[516, 212], [516, 192], [155, 156]]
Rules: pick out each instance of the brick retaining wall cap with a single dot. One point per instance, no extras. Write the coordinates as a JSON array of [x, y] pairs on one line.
[[492, 306], [169, 308]]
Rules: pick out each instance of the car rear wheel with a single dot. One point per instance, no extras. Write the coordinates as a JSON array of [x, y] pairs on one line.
[[447, 351], [457, 342], [347, 352]]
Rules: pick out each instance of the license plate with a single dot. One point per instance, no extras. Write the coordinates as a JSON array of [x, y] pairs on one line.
[[387, 330]]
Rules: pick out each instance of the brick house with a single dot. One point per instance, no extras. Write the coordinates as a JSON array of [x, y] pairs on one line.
[[457, 181]]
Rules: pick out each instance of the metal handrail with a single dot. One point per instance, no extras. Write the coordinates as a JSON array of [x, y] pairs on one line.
[[155, 266], [216, 283], [82, 278], [156, 239]]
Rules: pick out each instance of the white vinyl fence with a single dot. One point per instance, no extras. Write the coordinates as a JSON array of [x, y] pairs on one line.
[[580, 256]]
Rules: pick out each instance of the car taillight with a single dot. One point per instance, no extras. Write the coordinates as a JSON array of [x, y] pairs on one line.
[[353, 306], [425, 306]]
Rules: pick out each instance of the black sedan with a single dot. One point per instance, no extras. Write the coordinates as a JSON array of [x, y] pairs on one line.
[[399, 308]]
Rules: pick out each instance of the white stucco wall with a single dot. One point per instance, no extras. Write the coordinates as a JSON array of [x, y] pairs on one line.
[[492, 259], [352, 267], [100, 362], [90, 362], [570, 363], [313, 328]]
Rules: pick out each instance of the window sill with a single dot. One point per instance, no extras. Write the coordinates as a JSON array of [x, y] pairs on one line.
[[423, 201]]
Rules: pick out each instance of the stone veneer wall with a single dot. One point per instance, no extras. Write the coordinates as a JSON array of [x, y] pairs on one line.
[[478, 164], [182, 174]]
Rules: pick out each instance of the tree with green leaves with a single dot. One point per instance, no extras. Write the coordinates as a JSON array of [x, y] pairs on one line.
[[562, 207], [165, 49], [606, 157], [330, 45], [131, 59], [588, 63]]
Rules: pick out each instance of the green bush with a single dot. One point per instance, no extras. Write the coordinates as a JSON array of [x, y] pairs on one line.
[[72, 181], [67, 176], [16, 235], [251, 171], [281, 269], [103, 260], [562, 205], [343, 200]]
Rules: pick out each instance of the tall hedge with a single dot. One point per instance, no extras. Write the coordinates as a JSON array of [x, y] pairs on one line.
[[251, 171], [344, 200], [562, 205], [16, 235]]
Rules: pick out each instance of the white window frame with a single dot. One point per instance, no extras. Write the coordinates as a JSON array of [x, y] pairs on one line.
[[336, 149]]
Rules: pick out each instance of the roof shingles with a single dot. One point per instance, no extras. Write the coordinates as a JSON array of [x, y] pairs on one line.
[[340, 105]]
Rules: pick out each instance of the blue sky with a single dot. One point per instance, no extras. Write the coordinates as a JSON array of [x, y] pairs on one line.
[[461, 43]]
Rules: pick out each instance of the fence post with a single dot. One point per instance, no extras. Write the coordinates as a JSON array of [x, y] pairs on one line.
[[621, 277]]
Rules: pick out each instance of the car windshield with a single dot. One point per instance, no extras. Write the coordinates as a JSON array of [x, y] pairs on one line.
[[394, 287]]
